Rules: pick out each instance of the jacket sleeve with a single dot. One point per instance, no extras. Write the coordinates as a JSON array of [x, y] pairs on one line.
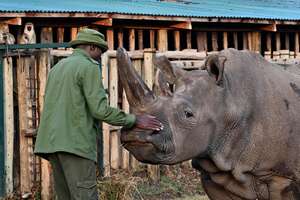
[[97, 101]]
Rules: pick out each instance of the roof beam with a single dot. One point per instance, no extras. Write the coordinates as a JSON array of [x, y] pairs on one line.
[[183, 25], [12, 21], [104, 22], [269, 27]]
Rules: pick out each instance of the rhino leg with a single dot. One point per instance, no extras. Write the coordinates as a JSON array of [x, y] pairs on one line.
[[215, 191]]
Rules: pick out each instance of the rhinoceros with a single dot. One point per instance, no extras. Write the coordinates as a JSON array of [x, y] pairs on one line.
[[238, 119]]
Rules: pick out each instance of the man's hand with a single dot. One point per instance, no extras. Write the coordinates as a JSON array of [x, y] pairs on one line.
[[148, 122]]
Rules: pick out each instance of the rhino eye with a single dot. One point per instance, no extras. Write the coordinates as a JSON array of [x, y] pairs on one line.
[[188, 113]]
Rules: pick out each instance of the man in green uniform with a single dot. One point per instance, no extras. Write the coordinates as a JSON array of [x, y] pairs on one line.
[[74, 99]]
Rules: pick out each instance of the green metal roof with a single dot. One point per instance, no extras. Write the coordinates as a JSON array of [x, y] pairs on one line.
[[258, 9]]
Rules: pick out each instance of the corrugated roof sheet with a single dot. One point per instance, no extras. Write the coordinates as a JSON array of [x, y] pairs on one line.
[[259, 9]]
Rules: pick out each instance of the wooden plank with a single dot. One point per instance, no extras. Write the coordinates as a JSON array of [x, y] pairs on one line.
[[287, 41], [188, 64], [296, 43], [46, 35], [74, 31], [137, 64], [256, 41], [269, 42], [202, 41], [104, 22], [182, 25], [113, 99], [110, 38], [152, 38], [60, 34], [186, 54], [278, 44], [8, 123], [162, 40], [225, 40], [214, 41], [189, 39], [120, 38], [235, 40], [140, 39], [177, 40], [245, 40], [23, 98], [105, 127], [125, 153], [249, 41], [43, 65], [131, 39], [153, 170]]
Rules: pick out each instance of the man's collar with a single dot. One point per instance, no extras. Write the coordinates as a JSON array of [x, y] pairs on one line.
[[79, 51]]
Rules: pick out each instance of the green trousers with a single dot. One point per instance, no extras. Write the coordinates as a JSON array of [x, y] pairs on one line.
[[74, 177]]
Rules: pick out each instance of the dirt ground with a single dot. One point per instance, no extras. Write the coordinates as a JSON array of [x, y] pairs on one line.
[[178, 182]]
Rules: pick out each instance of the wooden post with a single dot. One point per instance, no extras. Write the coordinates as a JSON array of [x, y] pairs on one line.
[[149, 54], [296, 44], [141, 39], [120, 38], [177, 40], [110, 38], [25, 149], [113, 100], [278, 45], [225, 40], [125, 153], [105, 127], [137, 64], [245, 40], [131, 39], [43, 66], [60, 34], [162, 40], [256, 41], [214, 40], [74, 31], [235, 40], [269, 42], [202, 41], [152, 38], [189, 39], [249, 41], [287, 41], [8, 123]]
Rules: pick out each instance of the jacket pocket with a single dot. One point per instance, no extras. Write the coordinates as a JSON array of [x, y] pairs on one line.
[[87, 190]]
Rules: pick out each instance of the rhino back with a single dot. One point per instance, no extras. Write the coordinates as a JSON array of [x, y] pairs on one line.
[[270, 100]]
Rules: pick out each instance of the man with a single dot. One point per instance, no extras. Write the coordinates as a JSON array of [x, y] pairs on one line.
[[74, 98]]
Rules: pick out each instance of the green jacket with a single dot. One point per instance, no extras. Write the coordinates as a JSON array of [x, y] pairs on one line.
[[74, 98]]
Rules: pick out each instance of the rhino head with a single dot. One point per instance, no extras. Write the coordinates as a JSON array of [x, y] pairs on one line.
[[188, 104]]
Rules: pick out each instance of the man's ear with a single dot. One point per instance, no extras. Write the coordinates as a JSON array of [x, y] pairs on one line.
[[214, 65]]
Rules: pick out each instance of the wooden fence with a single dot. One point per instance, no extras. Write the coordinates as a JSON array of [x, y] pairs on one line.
[[24, 78]]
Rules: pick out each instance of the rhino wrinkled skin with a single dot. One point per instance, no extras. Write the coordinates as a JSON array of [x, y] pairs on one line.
[[238, 119]]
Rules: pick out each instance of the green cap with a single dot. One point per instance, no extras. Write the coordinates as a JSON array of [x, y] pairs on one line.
[[90, 36]]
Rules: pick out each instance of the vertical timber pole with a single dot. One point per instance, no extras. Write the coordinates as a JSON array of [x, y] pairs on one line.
[[2, 153]]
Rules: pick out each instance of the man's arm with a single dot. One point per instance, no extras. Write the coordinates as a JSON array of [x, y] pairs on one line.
[[98, 104]]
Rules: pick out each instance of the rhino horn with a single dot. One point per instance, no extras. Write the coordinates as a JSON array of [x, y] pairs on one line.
[[214, 65], [137, 92], [167, 74], [161, 86]]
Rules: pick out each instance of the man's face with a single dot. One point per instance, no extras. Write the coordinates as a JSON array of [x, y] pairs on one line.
[[95, 52]]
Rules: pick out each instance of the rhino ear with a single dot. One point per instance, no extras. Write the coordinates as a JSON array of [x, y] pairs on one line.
[[214, 65]]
